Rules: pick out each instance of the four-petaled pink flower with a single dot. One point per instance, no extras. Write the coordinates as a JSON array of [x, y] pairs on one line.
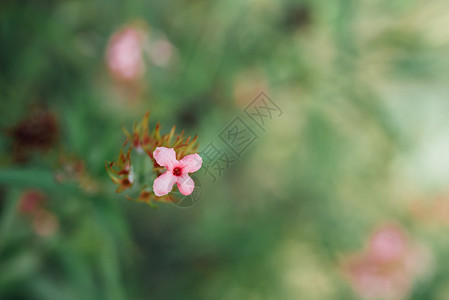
[[177, 171]]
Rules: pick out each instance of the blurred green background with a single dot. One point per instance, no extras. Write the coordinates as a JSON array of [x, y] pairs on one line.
[[363, 141]]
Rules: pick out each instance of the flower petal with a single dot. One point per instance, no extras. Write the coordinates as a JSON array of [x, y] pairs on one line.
[[164, 184], [185, 184], [165, 157], [191, 163]]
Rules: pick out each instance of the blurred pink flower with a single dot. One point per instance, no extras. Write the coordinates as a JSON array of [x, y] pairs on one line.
[[388, 243], [124, 54], [31, 201], [389, 265], [431, 211], [161, 51], [177, 171], [128, 48], [45, 223], [32, 204], [373, 280]]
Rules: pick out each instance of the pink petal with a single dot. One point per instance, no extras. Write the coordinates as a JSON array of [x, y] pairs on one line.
[[191, 163], [165, 157], [185, 184], [164, 184]]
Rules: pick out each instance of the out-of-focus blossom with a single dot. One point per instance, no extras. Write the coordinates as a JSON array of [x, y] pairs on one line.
[[431, 211], [388, 266], [161, 51], [124, 54], [45, 223], [31, 201], [440, 210], [132, 53], [247, 85], [387, 244], [39, 131], [132, 47], [32, 205], [177, 171]]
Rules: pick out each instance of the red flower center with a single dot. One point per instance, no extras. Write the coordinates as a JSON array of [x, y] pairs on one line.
[[177, 171]]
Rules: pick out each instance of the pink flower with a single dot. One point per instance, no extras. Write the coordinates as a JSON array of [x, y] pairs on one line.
[[389, 266], [372, 279], [388, 243], [177, 171], [124, 54], [31, 201]]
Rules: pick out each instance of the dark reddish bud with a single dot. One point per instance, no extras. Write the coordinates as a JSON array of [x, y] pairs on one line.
[[39, 131]]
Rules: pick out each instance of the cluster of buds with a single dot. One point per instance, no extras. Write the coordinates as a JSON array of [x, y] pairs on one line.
[[143, 157], [388, 266], [70, 168]]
